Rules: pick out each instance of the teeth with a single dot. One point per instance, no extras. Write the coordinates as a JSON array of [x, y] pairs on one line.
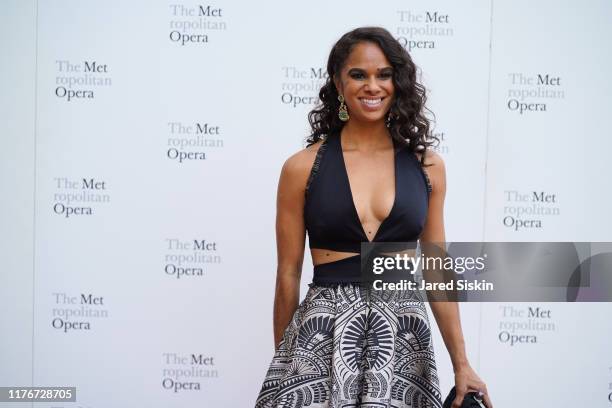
[[371, 101]]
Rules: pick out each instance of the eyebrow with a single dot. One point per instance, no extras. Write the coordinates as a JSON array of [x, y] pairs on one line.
[[362, 69]]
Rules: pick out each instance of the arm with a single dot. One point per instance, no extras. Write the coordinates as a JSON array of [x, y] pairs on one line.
[[447, 313], [290, 238]]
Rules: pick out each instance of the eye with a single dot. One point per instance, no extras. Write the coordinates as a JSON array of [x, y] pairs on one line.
[[357, 75], [386, 75]]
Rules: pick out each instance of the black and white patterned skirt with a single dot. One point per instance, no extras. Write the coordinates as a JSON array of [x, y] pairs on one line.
[[351, 346]]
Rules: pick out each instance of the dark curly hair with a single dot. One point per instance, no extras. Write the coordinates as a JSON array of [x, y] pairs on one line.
[[407, 120]]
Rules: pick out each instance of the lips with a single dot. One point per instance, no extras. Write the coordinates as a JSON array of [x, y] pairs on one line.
[[371, 103]]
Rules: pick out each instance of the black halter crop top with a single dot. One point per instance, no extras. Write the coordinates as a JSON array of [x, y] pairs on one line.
[[331, 218]]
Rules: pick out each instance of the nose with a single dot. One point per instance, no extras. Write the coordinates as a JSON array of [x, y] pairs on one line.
[[372, 85]]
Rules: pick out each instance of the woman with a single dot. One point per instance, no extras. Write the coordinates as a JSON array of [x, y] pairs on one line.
[[361, 178]]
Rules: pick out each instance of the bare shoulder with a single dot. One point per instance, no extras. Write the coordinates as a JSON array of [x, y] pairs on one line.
[[433, 159], [435, 168], [296, 168]]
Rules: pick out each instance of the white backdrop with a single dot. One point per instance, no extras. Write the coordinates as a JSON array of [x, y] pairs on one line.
[[142, 143]]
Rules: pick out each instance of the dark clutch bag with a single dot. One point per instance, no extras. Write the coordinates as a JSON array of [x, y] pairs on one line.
[[471, 400]]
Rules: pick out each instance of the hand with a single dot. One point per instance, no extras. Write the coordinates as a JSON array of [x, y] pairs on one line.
[[466, 380]]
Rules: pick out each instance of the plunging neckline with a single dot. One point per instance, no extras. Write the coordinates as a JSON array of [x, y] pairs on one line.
[[348, 183]]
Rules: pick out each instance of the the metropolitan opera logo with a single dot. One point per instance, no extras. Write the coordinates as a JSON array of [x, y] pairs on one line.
[[189, 258], [423, 30], [192, 141], [193, 25], [75, 312], [533, 93], [79, 196], [524, 324], [529, 209], [186, 372], [80, 80], [300, 86]]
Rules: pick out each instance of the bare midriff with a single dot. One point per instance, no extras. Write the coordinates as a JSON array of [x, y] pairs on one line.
[[323, 256]]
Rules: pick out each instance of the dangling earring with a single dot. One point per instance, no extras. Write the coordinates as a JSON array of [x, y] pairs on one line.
[[342, 112]]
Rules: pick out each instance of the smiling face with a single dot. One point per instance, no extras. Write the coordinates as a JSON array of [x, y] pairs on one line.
[[366, 82]]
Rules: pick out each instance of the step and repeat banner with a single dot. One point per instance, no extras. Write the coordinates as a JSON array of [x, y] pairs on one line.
[[142, 144]]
